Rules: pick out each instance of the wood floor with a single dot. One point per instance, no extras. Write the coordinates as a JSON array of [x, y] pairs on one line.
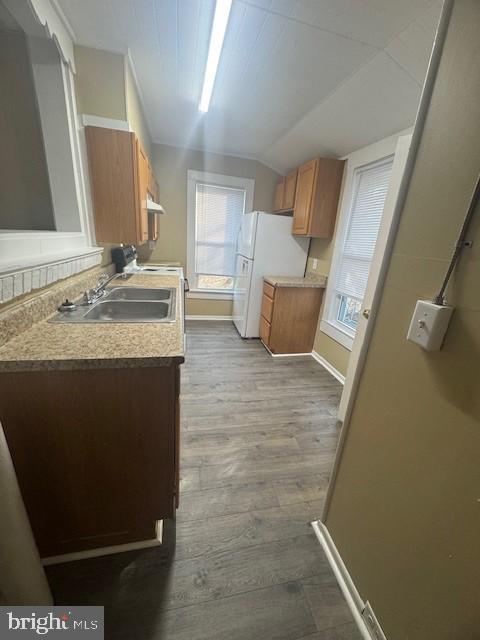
[[241, 562]]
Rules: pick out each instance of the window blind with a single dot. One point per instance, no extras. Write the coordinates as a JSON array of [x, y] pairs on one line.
[[370, 191], [218, 212]]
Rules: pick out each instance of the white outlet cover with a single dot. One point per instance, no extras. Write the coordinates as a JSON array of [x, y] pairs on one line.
[[429, 325]]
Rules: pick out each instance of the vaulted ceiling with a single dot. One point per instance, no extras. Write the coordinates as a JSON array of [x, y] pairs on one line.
[[296, 77]]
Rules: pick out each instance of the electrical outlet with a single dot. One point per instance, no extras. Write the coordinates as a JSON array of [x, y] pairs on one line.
[[315, 264], [372, 623], [429, 324]]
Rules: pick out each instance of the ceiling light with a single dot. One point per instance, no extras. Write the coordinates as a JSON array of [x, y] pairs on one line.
[[219, 26]]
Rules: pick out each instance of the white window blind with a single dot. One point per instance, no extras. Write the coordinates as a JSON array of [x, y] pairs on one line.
[[218, 212], [369, 193]]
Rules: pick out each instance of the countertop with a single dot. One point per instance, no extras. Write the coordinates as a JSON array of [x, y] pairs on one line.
[[81, 346], [309, 281]]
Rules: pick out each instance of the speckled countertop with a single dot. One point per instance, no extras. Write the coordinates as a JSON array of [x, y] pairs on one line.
[[310, 281], [81, 346]]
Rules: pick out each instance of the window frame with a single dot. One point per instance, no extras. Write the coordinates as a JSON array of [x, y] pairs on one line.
[[328, 325], [62, 253], [221, 180]]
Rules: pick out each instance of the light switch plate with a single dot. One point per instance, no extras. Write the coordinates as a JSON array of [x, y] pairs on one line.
[[429, 324]]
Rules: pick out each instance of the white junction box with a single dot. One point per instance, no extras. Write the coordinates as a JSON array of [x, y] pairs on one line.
[[429, 324]]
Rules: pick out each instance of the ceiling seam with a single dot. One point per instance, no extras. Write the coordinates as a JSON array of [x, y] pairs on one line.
[[338, 87], [419, 84], [230, 154], [327, 97], [307, 24]]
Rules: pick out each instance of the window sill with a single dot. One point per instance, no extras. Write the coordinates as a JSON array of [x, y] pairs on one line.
[[210, 294], [336, 334]]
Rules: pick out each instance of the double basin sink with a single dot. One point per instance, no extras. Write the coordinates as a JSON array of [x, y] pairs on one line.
[[124, 304]]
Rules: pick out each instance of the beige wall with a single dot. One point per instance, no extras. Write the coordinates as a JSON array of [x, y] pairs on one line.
[[105, 87], [170, 165], [135, 113], [100, 83], [335, 353], [405, 511], [25, 199]]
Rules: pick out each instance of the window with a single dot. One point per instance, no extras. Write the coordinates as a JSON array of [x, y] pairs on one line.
[[350, 270], [216, 204], [56, 237]]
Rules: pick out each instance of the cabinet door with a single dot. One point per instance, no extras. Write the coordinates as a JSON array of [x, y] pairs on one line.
[[278, 202], [113, 166], [304, 197], [289, 191], [264, 331], [142, 188]]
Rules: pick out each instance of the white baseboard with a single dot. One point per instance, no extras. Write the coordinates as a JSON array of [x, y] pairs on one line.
[[107, 551], [215, 318], [283, 355], [344, 579], [329, 367]]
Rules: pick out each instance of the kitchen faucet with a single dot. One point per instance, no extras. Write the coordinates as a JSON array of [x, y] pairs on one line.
[[92, 295]]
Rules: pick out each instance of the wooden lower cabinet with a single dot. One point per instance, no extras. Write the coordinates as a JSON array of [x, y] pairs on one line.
[[96, 452], [289, 318]]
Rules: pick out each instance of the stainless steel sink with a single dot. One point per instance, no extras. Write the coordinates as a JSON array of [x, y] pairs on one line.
[[128, 311], [124, 304], [139, 293]]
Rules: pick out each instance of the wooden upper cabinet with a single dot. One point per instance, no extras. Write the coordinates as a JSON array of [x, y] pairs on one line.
[[285, 193], [119, 178], [142, 188], [318, 189], [290, 190], [278, 198], [304, 197]]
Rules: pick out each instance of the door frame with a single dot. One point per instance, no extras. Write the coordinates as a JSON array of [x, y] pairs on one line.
[[398, 168]]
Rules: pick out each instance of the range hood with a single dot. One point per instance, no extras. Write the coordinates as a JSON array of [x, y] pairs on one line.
[[153, 207]]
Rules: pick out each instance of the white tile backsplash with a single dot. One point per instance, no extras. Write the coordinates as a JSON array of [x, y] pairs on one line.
[[24, 281]]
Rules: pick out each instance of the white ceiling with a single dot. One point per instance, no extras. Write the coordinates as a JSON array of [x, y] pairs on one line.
[[296, 77]]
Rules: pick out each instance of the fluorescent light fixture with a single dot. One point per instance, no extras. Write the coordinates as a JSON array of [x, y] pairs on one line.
[[219, 27]]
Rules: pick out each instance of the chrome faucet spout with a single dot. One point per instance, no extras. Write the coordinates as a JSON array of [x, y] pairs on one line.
[[92, 295]]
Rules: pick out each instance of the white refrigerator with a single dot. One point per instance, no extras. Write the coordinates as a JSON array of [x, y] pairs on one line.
[[265, 247]]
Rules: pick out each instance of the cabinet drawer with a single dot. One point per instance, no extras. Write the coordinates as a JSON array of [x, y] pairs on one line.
[[264, 330], [267, 308], [268, 290]]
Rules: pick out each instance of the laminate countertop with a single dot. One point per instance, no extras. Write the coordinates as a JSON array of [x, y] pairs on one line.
[[48, 345], [309, 281]]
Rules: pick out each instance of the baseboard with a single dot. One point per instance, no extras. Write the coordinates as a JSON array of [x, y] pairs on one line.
[[283, 355], [329, 367], [344, 579], [215, 318], [107, 551]]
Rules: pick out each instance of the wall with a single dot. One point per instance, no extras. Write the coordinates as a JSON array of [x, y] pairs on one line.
[[100, 83], [323, 250], [25, 199], [105, 87], [170, 165], [135, 113], [405, 509]]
